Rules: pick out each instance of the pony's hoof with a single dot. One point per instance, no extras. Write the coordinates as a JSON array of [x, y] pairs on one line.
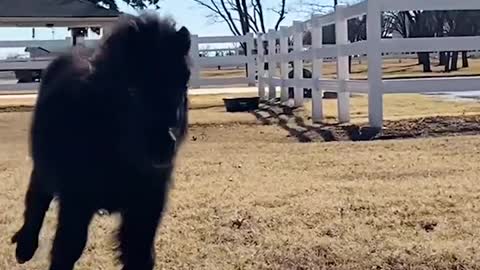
[[26, 246]]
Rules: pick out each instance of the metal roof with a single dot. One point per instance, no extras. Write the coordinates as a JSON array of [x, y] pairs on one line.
[[54, 9]]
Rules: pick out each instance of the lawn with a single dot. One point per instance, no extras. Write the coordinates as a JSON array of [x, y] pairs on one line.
[[249, 196]]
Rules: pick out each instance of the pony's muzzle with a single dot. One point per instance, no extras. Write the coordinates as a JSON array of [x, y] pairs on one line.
[[170, 150]]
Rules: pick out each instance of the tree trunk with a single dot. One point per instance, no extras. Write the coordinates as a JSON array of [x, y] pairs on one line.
[[442, 58], [454, 61], [246, 53], [464, 59], [349, 64], [425, 60], [420, 58], [447, 61]]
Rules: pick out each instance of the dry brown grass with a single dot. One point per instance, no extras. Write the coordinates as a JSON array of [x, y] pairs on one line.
[[248, 196], [401, 106], [209, 109], [396, 107]]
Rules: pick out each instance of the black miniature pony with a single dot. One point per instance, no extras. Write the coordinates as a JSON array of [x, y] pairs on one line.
[[104, 135]]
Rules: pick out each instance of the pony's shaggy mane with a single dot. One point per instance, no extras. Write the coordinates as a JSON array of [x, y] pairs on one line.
[[138, 37]]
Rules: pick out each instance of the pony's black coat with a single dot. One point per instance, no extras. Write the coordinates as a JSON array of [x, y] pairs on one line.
[[104, 135]]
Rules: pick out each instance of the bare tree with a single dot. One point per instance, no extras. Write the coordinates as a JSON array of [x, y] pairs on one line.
[[416, 24], [244, 16], [460, 23], [310, 7], [437, 24]]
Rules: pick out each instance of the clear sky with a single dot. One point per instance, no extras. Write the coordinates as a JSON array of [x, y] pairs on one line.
[[185, 12]]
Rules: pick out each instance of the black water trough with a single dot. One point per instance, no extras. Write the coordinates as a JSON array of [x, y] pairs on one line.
[[241, 104]]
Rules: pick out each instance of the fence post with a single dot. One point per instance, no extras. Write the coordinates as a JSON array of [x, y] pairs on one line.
[[341, 34], [283, 62], [195, 69], [374, 53], [317, 93], [272, 64], [261, 66], [298, 64], [251, 59]]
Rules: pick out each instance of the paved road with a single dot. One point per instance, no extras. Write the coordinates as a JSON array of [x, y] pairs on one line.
[[201, 91]]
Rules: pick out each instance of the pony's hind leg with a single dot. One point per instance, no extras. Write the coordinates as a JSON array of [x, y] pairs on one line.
[[72, 232], [137, 236], [37, 202]]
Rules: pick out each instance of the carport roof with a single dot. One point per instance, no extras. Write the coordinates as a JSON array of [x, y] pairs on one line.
[[54, 9]]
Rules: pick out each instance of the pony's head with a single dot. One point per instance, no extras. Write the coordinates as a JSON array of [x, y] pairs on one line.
[[149, 57]]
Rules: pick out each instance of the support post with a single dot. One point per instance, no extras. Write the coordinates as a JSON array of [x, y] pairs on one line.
[[261, 66], [283, 62], [317, 93], [106, 30], [78, 35], [80, 40], [69, 40], [375, 82], [272, 64], [298, 64], [195, 69], [341, 36], [251, 60]]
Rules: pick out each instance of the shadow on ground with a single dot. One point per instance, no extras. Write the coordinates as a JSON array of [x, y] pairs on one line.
[[301, 128], [291, 120]]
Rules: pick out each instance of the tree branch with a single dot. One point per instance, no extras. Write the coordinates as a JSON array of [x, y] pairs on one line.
[[261, 16], [254, 18], [253, 22], [230, 18], [244, 16], [281, 14], [217, 12]]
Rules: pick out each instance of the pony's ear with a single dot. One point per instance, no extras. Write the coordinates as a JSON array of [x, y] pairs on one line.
[[132, 26], [184, 41]]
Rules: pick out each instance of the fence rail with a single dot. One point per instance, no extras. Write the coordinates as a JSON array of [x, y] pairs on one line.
[[199, 62], [247, 60]]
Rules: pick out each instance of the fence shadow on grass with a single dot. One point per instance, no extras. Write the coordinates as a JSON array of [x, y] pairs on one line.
[[291, 120]]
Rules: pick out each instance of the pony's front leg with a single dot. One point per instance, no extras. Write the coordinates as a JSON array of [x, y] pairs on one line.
[[37, 202], [72, 232]]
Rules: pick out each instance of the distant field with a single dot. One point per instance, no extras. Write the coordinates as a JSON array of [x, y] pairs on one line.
[[392, 68]]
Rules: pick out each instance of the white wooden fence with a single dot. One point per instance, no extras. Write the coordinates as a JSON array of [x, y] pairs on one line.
[[247, 60], [373, 48], [199, 63]]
